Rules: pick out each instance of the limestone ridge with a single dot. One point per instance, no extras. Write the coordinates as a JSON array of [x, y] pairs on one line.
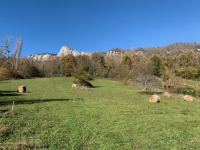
[[65, 50], [117, 53], [113, 53], [41, 57]]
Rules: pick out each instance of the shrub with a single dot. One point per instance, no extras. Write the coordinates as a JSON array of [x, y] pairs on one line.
[[82, 82], [33, 72], [5, 73], [189, 72], [187, 91], [82, 73]]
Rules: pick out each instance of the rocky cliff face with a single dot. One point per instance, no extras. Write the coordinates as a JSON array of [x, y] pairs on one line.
[[65, 50], [113, 53], [41, 57]]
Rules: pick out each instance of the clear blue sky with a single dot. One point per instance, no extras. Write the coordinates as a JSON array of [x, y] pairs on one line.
[[98, 25]]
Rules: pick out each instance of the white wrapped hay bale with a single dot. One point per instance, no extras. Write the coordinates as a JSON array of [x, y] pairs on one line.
[[74, 85], [188, 98], [154, 99], [21, 89], [167, 94]]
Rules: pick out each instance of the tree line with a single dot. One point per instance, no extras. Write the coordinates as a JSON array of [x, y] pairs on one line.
[[178, 60]]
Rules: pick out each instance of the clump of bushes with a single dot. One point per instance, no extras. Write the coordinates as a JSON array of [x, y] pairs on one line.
[[188, 91], [5, 73], [82, 82], [82, 77]]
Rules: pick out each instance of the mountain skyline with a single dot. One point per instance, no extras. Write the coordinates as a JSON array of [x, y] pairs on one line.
[[89, 26]]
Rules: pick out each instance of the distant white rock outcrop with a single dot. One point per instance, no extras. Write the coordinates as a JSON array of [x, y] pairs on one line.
[[65, 50], [113, 53], [140, 53], [41, 57]]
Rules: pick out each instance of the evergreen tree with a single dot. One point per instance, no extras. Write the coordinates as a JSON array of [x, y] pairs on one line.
[[156, 65]]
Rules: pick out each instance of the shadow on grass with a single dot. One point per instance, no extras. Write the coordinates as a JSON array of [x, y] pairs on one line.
[[96, 86], [9, 93], [4, 110], [150, 93], [5, 81], [31, 101]]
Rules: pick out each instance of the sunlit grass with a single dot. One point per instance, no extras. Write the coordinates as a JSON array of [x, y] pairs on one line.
[[53, 115]]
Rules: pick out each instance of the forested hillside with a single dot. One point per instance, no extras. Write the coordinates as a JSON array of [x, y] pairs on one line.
[[175, 60]]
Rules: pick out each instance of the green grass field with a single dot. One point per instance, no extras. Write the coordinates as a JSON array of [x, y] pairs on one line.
[[53, 115]]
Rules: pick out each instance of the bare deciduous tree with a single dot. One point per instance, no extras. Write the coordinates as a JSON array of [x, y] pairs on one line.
[[17, 52], [6, 45], [1, 50], [145, 78]]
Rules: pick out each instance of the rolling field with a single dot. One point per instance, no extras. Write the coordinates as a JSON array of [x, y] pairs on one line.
[[53, 115]]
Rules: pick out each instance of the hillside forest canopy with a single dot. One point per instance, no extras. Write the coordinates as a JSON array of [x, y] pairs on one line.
[[146, 66]]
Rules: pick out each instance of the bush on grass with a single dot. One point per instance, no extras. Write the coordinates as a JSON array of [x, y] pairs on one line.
[[82, 82], [187, 91]]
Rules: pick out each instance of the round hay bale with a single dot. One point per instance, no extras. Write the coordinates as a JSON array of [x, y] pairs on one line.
[[167, 94], [21, 89], [74, 85], [154, 99], [188, 98]]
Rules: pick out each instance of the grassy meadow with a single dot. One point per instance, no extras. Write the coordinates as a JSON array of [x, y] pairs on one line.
[[53, 115]]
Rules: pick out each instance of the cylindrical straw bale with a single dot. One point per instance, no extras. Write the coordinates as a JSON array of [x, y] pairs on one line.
[[21, 89], [188, 98], [167, 94], [154, 99], [74, 85]]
